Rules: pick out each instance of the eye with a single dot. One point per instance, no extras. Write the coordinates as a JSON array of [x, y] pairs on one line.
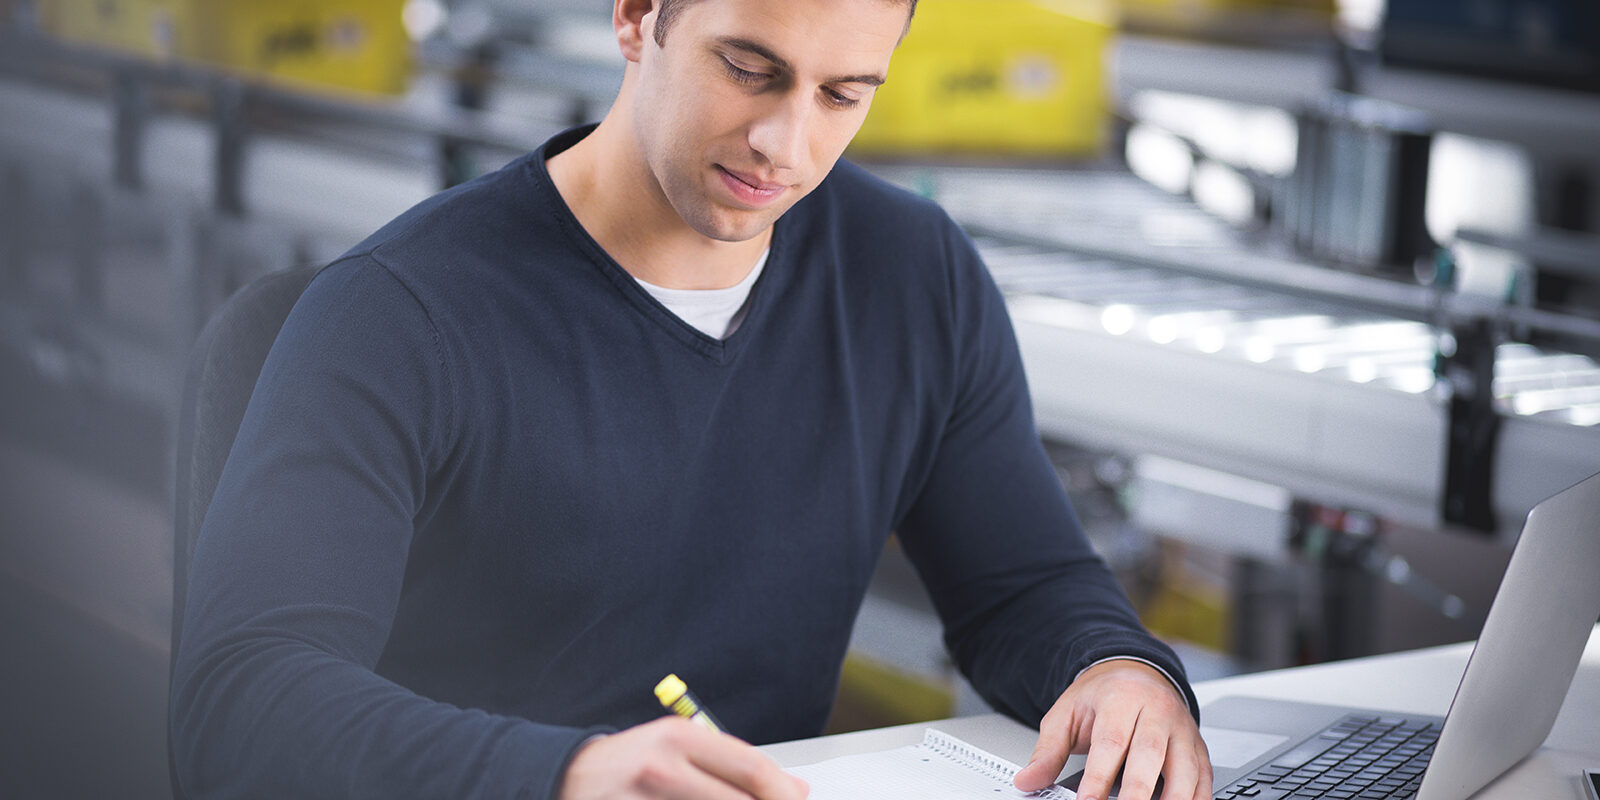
[[743, 75], [839, 100]]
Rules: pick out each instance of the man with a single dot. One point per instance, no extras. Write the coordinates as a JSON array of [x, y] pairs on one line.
[[649, 400]]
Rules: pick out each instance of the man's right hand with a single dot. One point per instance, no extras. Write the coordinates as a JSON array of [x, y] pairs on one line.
[[675, 759]]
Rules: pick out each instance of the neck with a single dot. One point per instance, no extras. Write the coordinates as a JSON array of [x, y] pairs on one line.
[[616, 198]]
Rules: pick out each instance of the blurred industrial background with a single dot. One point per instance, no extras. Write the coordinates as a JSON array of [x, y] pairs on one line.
[[1308, 292]]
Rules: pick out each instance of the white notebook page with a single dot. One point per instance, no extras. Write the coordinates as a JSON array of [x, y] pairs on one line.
[[942, 767]]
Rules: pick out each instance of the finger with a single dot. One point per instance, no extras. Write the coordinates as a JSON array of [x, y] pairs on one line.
[[745, 768], [1181, 774], [662, 763], [1109, 741], [1206, 781], [1144, 761], [681, 780], [1049, 754]]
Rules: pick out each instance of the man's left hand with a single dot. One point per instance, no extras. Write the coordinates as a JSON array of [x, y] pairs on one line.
[[1126, 715]]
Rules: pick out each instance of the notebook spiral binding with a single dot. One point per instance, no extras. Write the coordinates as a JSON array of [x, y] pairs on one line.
[[986, 764]]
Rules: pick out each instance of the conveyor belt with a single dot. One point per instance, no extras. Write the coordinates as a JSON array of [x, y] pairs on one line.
[[1149, 328], [1283, 332]]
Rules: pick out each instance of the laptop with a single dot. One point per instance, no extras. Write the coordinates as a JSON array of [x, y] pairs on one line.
[[1515, 681]]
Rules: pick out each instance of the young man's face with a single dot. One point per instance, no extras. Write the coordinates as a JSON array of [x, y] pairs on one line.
[[749, 103]]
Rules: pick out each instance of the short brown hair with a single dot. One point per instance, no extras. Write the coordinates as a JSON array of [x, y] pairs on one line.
[[669, 10]]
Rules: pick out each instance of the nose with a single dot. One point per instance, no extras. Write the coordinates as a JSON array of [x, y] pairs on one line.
[[781, 134]]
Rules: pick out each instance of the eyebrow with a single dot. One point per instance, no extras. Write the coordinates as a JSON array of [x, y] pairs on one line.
[[759, 49]]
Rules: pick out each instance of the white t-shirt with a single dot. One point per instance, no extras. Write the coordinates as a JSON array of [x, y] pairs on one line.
[[714, 312]]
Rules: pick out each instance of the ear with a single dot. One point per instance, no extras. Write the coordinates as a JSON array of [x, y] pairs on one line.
[[634, 21]]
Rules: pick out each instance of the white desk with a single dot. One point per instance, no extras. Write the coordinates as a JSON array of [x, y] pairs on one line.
[[1420, 681]]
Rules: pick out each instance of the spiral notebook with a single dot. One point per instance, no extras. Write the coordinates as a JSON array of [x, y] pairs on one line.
[[941, 767]]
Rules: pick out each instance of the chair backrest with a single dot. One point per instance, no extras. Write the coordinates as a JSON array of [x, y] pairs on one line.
[[222, 374]]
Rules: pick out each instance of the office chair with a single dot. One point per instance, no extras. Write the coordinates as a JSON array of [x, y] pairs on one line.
[[223, 368]]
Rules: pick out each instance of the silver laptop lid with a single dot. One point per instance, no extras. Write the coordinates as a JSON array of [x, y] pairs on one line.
[[1520, 670]]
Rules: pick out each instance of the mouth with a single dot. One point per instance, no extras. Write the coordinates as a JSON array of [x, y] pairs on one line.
[[748, 189]]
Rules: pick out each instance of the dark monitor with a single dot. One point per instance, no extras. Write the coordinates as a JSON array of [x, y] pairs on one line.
[[1549, 42]]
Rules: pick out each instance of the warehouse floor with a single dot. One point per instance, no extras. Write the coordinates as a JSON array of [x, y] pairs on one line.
[[85, 589]]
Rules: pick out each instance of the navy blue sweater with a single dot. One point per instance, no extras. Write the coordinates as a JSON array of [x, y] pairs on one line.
[[488, 491]]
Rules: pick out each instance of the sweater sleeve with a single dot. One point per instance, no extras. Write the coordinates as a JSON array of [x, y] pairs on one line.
[[1025, 602], [298, 570]]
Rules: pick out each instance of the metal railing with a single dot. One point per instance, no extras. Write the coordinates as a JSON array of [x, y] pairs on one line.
[[236, 108]]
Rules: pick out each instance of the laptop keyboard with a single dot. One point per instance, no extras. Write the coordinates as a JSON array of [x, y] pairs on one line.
[[1357, 758]]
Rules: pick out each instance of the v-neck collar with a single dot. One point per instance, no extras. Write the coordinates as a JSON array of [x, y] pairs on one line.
[[718, 351]]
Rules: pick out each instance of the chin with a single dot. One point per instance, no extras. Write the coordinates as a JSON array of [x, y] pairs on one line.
[[747, 231], [734, 225]]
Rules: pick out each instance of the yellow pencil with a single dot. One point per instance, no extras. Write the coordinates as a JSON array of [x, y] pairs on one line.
[[674, 694]]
